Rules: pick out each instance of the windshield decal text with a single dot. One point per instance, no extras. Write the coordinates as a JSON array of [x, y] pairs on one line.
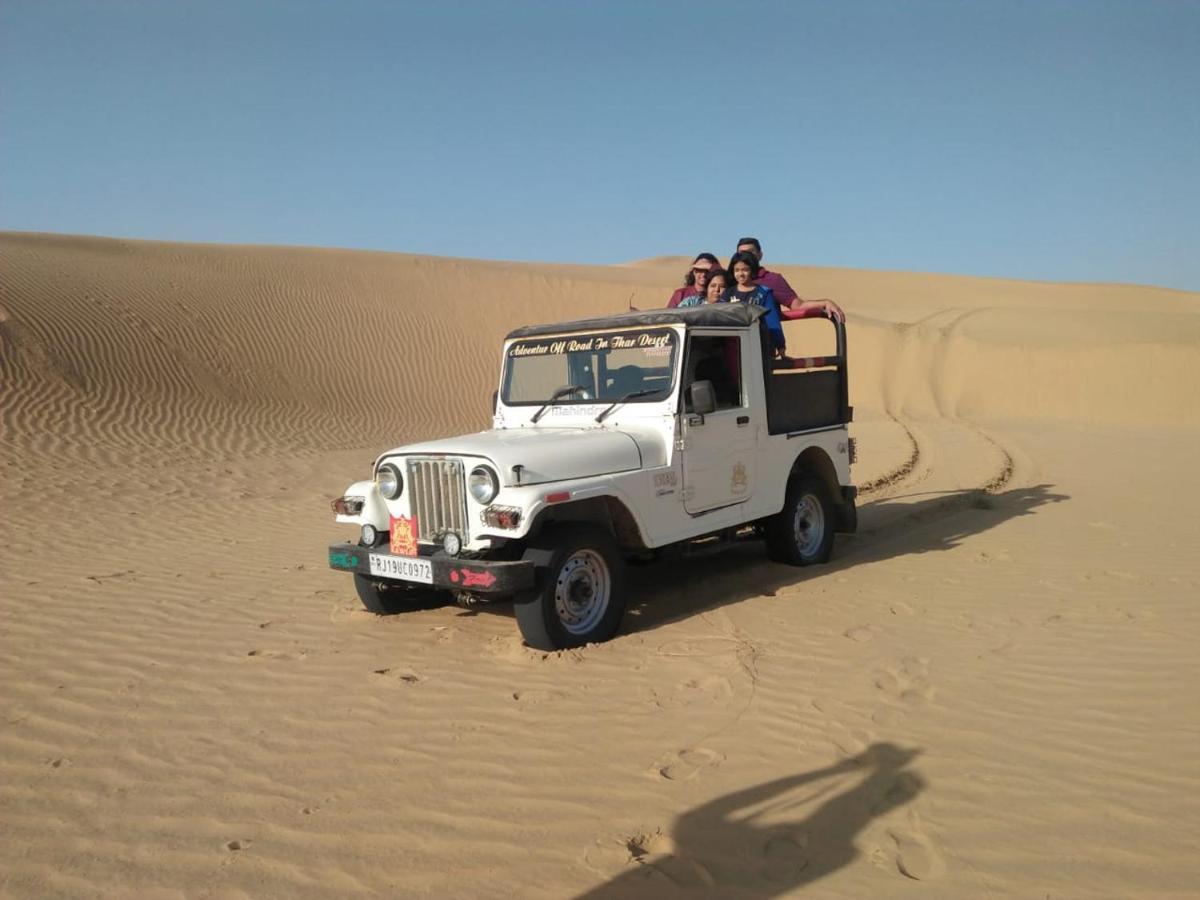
[[645, 340]]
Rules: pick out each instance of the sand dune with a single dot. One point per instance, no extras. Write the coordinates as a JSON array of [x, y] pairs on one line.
[[991, 691]]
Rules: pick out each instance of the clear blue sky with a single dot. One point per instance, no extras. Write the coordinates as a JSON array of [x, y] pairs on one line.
[[1045, 139]]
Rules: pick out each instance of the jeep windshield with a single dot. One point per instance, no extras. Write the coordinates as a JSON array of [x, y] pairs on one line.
[[599, 367]]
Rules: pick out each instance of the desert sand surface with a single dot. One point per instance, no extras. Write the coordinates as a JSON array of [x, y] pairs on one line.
[[993, 689]]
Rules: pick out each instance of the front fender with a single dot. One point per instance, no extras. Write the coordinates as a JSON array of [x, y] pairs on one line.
[[601, 503]]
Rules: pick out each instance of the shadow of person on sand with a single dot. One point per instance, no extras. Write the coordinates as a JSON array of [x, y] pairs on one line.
[[750, 844], [890, 528]]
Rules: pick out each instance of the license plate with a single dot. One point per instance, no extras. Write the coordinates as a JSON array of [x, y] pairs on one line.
[[403, 567]]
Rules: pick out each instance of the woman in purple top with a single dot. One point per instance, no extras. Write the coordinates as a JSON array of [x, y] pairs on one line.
[[695, 281]]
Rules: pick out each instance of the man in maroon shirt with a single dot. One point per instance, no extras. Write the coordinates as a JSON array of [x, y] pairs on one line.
[[784, 295]]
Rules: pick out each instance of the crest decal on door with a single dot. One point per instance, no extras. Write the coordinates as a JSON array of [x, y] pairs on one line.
[[739, 482]]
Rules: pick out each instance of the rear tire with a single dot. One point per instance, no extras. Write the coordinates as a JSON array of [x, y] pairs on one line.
[[801, 534], [386, 598], [580, 596]]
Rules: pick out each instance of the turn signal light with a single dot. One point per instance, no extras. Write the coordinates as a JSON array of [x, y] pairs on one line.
[[348, 506], [506, 517]]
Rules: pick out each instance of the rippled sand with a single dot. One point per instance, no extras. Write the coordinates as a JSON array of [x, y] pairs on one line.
[[991, 691]]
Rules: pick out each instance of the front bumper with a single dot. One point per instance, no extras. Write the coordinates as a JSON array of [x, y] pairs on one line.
[[476, 576]]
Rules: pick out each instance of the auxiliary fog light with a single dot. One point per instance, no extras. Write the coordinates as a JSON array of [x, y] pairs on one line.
[[370, 536], [451, 543]]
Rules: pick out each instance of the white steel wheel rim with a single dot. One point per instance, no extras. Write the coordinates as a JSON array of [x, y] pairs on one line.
[[809, 525], [582, 591]]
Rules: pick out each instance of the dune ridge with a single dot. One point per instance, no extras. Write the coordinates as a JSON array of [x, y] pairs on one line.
[[990, 691], [243, 349]]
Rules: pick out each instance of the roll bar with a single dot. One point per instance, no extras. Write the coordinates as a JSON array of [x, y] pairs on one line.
[[821, 362]]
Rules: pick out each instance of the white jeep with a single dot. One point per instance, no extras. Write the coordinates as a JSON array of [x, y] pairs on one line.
[[612, 438]]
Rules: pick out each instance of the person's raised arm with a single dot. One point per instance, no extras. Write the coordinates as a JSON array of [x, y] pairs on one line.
[[826, 305]]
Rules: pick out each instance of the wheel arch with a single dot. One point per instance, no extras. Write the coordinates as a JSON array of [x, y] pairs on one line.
[[816, 462], [606, 510]]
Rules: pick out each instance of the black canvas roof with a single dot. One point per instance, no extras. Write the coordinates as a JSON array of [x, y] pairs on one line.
[[711, 315]]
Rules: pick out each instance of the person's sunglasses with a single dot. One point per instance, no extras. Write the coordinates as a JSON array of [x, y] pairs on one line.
[[699, 271]]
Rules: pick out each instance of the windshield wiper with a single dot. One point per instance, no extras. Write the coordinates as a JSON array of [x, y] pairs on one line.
[[644, 392], [564, 391]]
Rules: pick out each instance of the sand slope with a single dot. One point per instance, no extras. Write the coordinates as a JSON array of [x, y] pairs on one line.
[[992, 690]]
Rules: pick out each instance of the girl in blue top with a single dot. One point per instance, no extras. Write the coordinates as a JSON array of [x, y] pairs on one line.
[[744, 267]]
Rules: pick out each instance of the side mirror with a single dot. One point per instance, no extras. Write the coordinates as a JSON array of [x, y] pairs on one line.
[[702, 397]]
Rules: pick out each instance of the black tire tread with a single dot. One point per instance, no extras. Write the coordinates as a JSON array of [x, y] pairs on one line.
[[535, 612], [781, 545]]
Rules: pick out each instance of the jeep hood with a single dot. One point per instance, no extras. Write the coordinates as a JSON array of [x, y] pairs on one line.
[[547, 454]]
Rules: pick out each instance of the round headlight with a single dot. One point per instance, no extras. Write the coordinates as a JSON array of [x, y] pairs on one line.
[[451, 543], [370, 536], [483, 484], [389, 481]]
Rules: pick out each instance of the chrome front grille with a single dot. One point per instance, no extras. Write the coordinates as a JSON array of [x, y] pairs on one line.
[[438, 497]]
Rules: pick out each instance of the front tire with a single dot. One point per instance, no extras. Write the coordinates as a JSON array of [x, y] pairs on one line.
[[801, 534], [580, 597], [386, 598]]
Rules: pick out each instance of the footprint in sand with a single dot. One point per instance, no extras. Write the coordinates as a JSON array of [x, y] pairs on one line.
[[279, 654], [1121, 575], [887, 717], [612, 854], [715, 690], [345, 610], [686, 764], [663, 862], [908, 682], [126, 575], [703, 646], [535, 696], [647, 844], [861, 634], [396, 675], [510, 647], [912, 853], [897, 792], [833, 707], [606, 856], [785, 856], [850, 742], [846, 740], [986, 556]]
